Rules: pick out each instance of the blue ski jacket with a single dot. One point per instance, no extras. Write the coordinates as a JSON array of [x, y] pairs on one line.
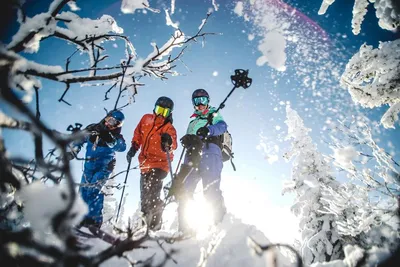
[[99, 153]]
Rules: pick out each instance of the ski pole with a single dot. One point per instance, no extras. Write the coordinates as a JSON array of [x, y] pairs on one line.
[[123, 190], [169, 162]]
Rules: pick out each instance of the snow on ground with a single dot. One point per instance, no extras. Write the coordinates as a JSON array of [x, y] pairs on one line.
[[227, 247]]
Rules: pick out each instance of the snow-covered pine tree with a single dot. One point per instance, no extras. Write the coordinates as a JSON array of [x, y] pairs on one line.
[[320, 239]]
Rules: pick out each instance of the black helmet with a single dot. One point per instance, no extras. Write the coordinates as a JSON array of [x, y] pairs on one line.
[[165, 102], [200, 92]]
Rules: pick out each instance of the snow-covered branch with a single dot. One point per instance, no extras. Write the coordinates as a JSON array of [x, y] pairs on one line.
[[376, 168], [50, 210], [387, 12], [89, 40], [372, 77]]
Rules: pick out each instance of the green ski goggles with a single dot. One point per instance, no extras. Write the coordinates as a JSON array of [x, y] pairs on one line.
[[200, 100], [159, 110]]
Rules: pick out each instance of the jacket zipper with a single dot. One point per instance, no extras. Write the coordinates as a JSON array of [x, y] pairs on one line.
[[147, 139], [146, 143]]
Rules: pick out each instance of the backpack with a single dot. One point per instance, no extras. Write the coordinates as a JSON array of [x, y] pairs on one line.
[[226, 148], [224, 141]]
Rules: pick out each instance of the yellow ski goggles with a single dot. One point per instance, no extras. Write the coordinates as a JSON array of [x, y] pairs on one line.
[[159, 110]]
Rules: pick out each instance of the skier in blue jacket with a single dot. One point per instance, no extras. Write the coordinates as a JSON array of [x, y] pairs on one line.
[[102, 141], [203, 160]]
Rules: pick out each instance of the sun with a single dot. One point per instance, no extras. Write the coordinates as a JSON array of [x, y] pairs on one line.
[[199, 215]]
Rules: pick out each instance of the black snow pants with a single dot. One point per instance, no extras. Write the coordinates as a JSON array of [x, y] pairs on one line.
[[151, 184]]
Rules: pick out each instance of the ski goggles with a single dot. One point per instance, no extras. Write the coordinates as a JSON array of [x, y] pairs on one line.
[[159, 110], [200, 100], [113, 122]]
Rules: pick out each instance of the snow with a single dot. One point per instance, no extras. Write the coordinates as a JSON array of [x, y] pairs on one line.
[[272, 48], [344, 157], [359, 11], [310, 174], [72, 5], [239, 9], [215, 5], [371, 76], [130, 6], [36, 24], [169, 21], [388, 16], [203, 21], [93, 27], [324, 6], [391, 116], [226, 245], [172, 7], [40, 212], [271, 24], [174, 42]]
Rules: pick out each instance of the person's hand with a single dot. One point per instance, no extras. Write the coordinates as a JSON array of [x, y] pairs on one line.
[[107, 137], [203, 132], [131, 153], [96, 129], [166, 141], [189, 140]]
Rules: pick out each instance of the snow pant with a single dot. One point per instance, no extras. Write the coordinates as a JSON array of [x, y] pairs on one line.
[[151, 183], [209, 172], [93, 180]]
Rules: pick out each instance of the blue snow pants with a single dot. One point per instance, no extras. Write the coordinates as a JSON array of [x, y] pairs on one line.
[[209, 172], [94, 179]]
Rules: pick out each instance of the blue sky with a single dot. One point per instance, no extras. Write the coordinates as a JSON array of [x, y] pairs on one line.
[[254, 115]]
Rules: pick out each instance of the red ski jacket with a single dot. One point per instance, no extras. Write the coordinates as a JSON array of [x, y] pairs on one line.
[[147, 137]]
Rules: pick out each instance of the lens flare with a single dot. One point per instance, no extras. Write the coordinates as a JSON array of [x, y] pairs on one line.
[[199, 215]]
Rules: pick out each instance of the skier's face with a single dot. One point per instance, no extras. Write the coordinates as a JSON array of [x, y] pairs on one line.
[[200, 107], [111, 123], [200, 103]]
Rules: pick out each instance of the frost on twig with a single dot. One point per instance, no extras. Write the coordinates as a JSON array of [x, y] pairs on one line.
[[90, 40], [387, 12], [372, 77]]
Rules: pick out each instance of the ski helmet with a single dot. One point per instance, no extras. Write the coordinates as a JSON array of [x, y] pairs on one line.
[[165, 102], [200, 92], [118, 115], [200, 96], [115, 118]]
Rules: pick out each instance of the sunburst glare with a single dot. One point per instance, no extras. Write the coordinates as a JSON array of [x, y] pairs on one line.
[[199, 215]]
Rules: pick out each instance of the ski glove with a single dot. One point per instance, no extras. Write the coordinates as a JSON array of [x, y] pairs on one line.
[[107, 137], [131, 153], [166, 141], [96, 129], [190, 140], [203, 132]]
